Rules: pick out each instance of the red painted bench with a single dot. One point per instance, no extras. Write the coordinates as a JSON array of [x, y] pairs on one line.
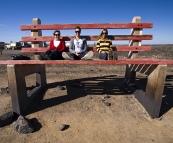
[[154, 68]]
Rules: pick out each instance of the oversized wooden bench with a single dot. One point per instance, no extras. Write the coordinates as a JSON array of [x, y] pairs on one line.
[[154, 68]]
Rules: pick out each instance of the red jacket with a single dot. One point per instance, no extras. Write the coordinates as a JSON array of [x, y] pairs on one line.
[[61, 46]]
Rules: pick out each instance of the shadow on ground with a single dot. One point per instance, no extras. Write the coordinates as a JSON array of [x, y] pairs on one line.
[[111, 85]]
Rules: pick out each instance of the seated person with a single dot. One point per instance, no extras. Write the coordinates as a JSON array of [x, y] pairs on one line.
[[78, 48], [104, 47], [56, 47]]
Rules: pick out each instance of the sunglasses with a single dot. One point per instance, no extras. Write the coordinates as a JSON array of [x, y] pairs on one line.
[[104, 33], [56, 34], [77, 31]]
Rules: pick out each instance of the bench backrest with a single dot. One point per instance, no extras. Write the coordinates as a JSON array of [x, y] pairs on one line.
[[134, 38]]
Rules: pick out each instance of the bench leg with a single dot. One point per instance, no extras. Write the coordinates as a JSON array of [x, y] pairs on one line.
[[130, 76], [17, 85], [152, 98]]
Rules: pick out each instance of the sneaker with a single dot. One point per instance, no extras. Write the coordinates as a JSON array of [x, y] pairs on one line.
[[47, 57], [110, 55], [88, 56], [66, 56]]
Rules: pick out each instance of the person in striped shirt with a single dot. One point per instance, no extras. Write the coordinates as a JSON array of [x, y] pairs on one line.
[[104, 46]]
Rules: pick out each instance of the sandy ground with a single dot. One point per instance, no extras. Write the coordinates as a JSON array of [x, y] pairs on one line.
[[82, 109]]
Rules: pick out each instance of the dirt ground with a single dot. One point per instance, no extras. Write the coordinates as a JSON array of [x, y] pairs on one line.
[[89, 120]]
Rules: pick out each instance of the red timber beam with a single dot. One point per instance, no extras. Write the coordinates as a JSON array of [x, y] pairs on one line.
[[91, 38], [86, 26], [139, 61], [117, 48]]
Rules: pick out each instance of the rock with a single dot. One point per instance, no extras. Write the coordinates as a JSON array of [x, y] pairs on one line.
[[107, 103], [22, 125], [63, 127], [4, 90], [6, 119], [60, 87], [106, 96]]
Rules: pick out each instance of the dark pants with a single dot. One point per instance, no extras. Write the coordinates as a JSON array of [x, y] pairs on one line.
[[103, 56], [54, 55], [77, 57]]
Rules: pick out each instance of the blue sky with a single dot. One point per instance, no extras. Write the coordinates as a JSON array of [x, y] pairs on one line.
[[16, 12]]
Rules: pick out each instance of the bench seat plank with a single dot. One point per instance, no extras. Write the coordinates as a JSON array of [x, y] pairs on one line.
[[91, 38], [142, 61], [118, 48], [86, 26]]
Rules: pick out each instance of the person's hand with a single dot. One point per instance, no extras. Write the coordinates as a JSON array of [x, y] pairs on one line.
[[77, 54], [103, 52]]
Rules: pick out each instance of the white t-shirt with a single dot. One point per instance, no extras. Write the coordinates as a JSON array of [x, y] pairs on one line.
[[56, 43], [78, 45]]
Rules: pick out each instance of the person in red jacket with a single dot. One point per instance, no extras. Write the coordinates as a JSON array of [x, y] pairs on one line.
[[56, 47]]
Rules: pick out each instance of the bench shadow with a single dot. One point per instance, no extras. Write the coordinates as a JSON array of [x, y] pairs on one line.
[[111, 85], [167, 100]]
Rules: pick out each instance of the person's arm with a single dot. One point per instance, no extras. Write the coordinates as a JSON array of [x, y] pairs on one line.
[[84, 46], [51, 45], [71, 46], [110, 47], [98, 46]]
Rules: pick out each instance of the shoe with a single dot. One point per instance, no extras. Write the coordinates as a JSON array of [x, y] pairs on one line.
[[110, 55], [66, 56], [88, 56], [47, 57]]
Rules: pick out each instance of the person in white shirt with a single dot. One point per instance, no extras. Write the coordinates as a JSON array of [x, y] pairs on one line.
[[78, 48]]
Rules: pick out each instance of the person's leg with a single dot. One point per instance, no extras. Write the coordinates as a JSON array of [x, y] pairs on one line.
[[82, 55], [47, 53], [73, 56], [68, 56], [56, 55], [87, 56], [59, 56], [102, 56]]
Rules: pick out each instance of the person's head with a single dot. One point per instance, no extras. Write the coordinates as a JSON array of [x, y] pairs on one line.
[[103, 34], [77, 31], [56, 34]]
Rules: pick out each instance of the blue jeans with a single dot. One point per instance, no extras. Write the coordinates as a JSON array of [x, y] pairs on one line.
[[103, 56], [77, 57], [54, 55]]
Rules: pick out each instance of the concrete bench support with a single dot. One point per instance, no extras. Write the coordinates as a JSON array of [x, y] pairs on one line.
[[151, 99], [17, 85]]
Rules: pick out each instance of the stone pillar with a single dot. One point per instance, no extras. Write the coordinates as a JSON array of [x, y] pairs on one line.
[[152, 98], [17, 85]]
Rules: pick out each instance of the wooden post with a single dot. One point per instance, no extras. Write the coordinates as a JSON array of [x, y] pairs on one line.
[[131, 75], [36, 21]]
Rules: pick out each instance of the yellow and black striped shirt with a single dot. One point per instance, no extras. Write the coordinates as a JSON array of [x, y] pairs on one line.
[[104, 45]]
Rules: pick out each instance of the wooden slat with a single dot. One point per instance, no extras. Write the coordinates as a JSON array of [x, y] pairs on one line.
[[118, 48], [91, 38], [147, 61], [86, 26]]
